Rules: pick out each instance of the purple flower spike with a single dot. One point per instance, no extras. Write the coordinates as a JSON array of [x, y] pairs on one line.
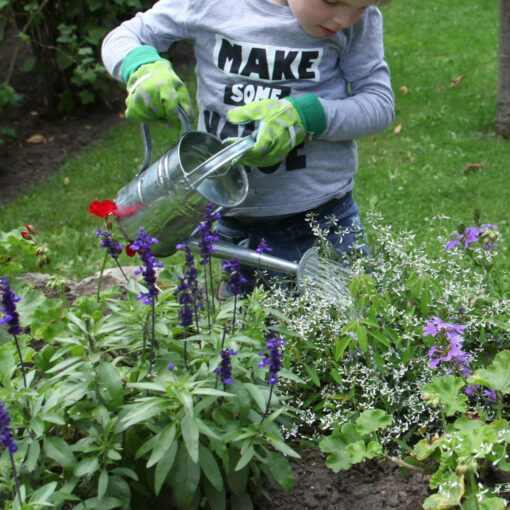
[[263, 247], [9, 300], [112, 247], [6, 437], [274, 359], [225, 370], [208, 236], [142, 245], [236, 278]]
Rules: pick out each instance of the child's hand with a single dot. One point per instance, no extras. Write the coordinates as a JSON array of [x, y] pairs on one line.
[[155, 92], [279, 131]]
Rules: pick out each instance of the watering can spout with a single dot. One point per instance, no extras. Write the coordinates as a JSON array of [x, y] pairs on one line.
[[249, 257]]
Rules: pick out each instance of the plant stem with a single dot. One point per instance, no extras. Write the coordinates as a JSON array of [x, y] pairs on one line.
[[20, 359], [206, 292], [234, 315], [268, 404], [15, 476], [153, 326], [211, 285], [121, 270], [100, 280]]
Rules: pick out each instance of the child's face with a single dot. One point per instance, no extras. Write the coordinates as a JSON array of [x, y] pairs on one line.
[[321, 18]]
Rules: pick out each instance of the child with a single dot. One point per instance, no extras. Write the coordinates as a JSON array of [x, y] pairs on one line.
[[308, 75]]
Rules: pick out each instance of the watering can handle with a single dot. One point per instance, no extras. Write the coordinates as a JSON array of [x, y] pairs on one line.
[[147, 139]]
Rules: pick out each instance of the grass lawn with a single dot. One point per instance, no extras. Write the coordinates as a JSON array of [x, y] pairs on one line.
[[441, 157]]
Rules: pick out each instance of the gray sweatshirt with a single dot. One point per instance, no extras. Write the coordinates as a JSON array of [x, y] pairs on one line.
[[247, 50]]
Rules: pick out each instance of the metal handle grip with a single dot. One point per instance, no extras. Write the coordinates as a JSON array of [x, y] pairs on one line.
[[147, 139]]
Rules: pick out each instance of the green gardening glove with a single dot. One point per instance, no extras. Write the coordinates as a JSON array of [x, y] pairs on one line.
[[283, 124], [154, 90]]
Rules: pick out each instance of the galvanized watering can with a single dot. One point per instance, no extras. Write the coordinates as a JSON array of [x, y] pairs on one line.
[[168, 197]]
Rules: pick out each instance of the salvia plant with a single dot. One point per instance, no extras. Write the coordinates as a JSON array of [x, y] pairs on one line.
[[103, 421], [157, 393]]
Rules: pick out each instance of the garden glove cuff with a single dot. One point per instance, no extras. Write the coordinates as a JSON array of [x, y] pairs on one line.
[[154, 90], [283, 125]]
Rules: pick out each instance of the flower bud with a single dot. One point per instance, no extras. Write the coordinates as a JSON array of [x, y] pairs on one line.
[[26, 235], [30, 228]]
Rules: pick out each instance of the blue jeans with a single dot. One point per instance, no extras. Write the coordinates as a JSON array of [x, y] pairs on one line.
[[290, 237]]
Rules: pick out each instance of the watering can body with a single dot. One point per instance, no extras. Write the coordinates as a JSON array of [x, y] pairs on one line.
[[168, 197]]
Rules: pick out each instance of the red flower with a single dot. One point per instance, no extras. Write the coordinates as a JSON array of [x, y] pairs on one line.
[[26, 235], [103, 209], [129, 251]]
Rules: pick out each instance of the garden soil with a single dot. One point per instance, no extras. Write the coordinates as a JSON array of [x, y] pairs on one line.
[[41, 145]]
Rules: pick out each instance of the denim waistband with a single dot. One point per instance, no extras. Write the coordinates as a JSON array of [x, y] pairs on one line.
[[336, 206]]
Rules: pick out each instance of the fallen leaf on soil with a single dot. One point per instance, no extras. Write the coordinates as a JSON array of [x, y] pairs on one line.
[[36, 139], [397, 130], [456, 81], [472, 166], [374, 159], [402, 90]]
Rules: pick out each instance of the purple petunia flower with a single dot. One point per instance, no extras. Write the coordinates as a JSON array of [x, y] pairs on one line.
[[274, 359], [113, 248], [485, 234], [236, 278], [6, 437], [225, 370], [263, 247], [142, 245], [448, 347], [9, 300]]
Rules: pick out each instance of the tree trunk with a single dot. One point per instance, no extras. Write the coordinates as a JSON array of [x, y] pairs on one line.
[[502, 121]]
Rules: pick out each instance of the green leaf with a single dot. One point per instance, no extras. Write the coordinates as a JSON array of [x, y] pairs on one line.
[[210, 468], [357, 451], [361, 333], [371, 420], [281, 470], [340, 345], [110, 377], [446, 390], [495, 376], [58, 450], [34, 451], [215, 499], [160, 444], [449, 495], [190, 434], [106, 503], [139, 412], [163, 467], [43, 494], [86, 467], [245, 458], [184, 477], [102, 483], [281, 446], [313, 375], [339, 461], [256, 395]]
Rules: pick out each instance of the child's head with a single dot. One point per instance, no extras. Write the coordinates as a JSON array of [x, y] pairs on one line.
[[321, 18]]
